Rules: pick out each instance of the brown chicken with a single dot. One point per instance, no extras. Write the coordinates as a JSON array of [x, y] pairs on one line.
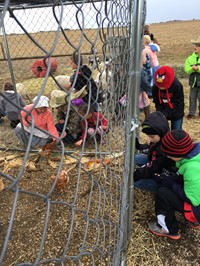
[[62, 180], [48, 148]]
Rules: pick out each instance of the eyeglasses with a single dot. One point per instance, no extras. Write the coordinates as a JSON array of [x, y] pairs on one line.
[[197, 45]]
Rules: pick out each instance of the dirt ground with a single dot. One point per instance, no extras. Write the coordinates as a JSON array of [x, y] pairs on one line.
[[144, 248], [69, 215], [33, 209]]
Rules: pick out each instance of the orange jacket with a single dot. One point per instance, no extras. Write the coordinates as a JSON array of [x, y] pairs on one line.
[[43, 121]]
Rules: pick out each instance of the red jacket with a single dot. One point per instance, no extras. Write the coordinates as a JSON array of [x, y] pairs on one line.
[[95, 122]]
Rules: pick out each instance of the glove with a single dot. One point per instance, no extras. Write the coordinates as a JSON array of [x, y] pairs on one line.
[[48, 148], [137, 144]]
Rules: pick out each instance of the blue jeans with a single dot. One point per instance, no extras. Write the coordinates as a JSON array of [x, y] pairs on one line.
[[177, 124], [69, 138], [146, 184], [141, 159]]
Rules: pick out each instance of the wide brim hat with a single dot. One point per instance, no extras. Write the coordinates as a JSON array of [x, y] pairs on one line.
[[43, 101], [197, 41], [58, 98]]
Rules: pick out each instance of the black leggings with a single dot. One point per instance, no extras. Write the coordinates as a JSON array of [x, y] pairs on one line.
[[167, 202]]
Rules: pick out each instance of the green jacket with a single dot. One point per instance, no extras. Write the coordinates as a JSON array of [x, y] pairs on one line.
[[189, 167], [194, 78]]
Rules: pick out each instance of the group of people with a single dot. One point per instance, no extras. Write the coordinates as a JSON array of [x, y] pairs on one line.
[[164, 88], [169, 165], [76, 105]]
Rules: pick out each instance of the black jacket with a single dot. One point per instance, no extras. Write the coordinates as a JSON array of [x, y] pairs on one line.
[[176, 97], [84, 77], [157, 158]]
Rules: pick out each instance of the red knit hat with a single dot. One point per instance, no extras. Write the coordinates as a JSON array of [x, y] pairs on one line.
[[164, 77], [177, 143]]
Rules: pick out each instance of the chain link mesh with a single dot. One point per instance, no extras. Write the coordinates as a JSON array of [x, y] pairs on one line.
[[80, 223]]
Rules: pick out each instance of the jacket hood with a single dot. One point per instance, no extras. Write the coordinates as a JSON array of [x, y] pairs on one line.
[[158, 122], [86, 71], [11, 95], [194, 151]]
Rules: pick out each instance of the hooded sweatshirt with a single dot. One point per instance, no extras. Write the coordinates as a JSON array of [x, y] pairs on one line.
[[84, 78], [189, 167], [157, 158], [11, 111], [189, 192]]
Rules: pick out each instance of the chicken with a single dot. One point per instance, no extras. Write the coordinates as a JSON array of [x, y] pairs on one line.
[[62, 180], [48, 149]]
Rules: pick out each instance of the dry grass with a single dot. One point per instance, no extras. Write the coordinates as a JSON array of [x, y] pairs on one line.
[[144, 248]]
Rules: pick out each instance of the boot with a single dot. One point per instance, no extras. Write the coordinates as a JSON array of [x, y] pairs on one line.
[[146, 111]]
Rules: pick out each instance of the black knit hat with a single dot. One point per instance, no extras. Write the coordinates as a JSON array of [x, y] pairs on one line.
[[177, 143], [149, 130]]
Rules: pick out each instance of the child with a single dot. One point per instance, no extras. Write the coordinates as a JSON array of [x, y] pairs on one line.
[[93, 123], [72, 127], [44, 129], [148, 50], [181, 192], [192, 67], [152, 160], [81, 77], [8, 108], [168, 96]]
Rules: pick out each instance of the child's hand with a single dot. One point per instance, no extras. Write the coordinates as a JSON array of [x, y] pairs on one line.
[[61, 121], [78, 143], [195, 68], [63, 135], [103, 128]]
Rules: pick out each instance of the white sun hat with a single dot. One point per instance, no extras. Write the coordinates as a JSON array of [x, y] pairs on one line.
[[42, 102]]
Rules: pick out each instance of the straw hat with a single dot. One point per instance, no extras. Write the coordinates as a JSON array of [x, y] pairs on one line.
[[197, 41], [58, 98]]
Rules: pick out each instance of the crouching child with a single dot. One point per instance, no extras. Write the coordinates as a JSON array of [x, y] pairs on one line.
[[178, 194]]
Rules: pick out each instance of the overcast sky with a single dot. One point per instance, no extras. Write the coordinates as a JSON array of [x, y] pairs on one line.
[[165, 10], [157, 11]]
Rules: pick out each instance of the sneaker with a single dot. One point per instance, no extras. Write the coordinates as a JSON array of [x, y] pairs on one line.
[[189, 116], [195, 225], [156, 229]]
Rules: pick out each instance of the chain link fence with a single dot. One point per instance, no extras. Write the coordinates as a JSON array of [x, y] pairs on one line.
[[86, 218]]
